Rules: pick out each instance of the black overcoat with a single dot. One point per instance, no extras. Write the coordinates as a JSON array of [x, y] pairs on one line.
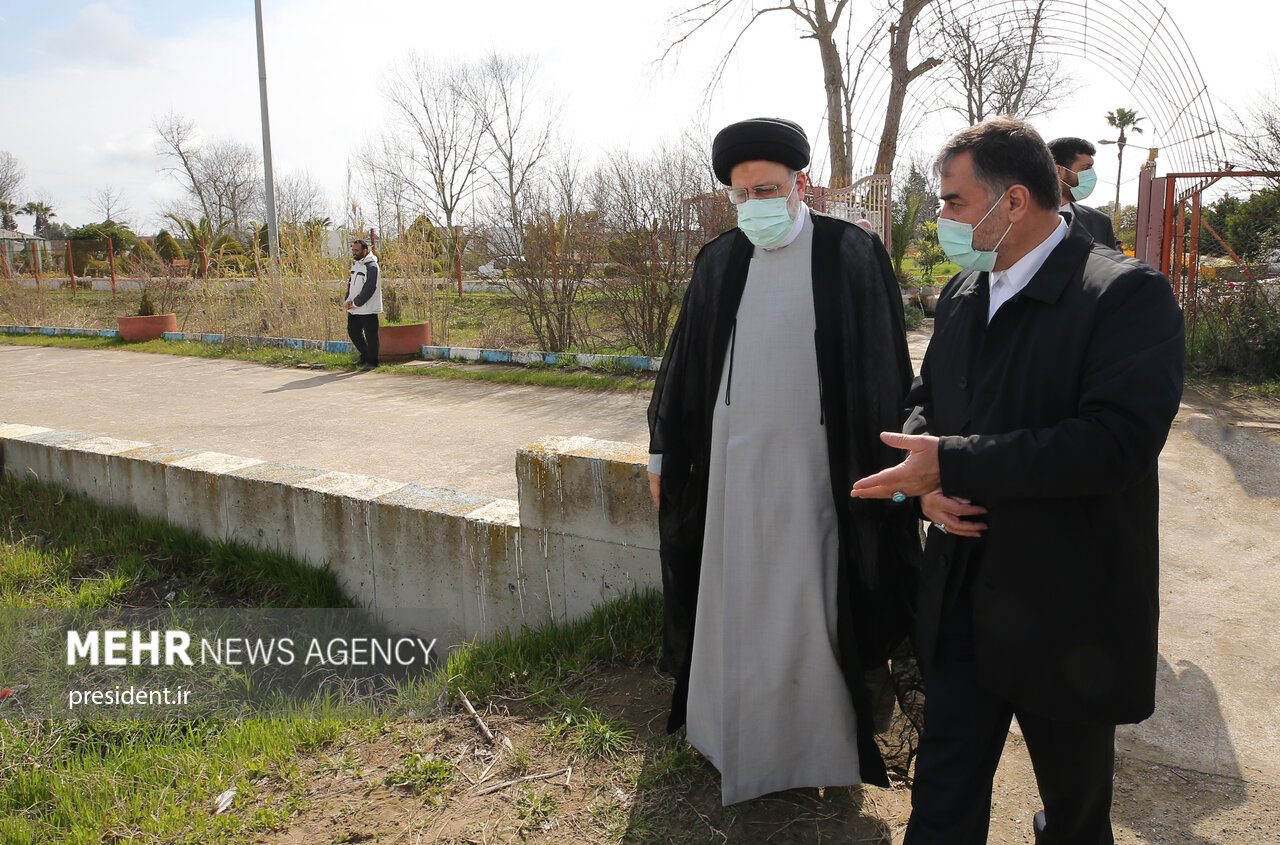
[[864, 372], [1096, 223], [1053, 417]]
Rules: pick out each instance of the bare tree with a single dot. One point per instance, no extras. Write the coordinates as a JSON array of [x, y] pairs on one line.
[[519, 124], [179, 143], [299, 198], [442, 139], [901, 75], [821, 21], [1257, 139], [561, 239], [648, 207], [12, 173], [222, 178], [381, 165], [232, 175], [109, 202], [998, 66]]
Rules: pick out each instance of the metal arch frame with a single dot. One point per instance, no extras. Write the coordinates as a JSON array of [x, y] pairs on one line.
[[877, 190], [1168, 232], [1135, 42]]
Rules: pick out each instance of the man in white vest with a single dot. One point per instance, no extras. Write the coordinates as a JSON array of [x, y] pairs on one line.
[[364, 304]]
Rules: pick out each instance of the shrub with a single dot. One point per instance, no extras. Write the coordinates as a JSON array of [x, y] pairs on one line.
[[1235, 330], [144, 252], [167, 247]]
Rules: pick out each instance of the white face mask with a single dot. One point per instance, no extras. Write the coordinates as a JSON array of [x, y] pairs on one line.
[[956, 240], [1085, 182], [766, 223]]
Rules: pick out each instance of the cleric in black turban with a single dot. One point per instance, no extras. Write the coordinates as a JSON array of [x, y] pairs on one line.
[[759, 139], [783, 596]]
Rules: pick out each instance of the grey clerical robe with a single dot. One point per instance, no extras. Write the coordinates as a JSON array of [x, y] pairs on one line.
[[768, 704]]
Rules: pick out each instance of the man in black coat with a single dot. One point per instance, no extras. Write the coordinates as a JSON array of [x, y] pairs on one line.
[[1045, 397], [1076, 179]]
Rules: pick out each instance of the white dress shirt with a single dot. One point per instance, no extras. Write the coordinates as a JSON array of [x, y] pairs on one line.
[[1006, 284]]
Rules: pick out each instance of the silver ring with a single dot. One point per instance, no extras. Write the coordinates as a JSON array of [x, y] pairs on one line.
[[899, 497], [941, 527]]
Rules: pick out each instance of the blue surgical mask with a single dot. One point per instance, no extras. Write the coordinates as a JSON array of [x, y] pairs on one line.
[[766, 223], [1087, 179], [956, 240]]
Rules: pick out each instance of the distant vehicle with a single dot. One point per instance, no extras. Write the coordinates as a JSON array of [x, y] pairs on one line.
[[498, 267], [1272, 260]]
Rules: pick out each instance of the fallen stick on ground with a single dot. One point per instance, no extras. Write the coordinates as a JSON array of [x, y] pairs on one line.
[[466, 702], [504, 784]]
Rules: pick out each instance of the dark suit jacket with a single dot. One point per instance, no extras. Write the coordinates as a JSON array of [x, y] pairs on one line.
[[1053, 417], [1096, 223]]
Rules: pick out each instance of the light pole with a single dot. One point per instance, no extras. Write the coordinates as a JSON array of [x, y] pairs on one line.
[[273, 234], [1152, 152]]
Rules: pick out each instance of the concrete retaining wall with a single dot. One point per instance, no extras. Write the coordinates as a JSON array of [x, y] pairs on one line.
[[582, 532]]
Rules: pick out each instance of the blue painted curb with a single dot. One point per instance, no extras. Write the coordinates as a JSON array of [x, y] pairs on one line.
[[640, 363]]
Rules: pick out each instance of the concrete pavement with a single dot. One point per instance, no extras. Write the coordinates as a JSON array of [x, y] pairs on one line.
[[441, 432]]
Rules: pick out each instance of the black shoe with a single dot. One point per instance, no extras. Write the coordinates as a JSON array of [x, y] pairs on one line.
[[369, 365]]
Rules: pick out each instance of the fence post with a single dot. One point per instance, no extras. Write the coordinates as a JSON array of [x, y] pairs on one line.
[[111, 258], [555, 269], [35, 263], [257, 267], [71, 270], [457, 255]]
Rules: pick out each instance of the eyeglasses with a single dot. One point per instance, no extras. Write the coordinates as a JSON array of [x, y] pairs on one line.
[[738, 196]]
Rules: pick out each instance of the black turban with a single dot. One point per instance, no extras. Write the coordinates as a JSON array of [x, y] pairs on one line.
[[759, 139]]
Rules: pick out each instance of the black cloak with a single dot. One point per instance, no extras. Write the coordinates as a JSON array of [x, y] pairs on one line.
[[864, 374]]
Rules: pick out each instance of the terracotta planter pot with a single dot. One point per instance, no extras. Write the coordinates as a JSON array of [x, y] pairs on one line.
[[403, 341], [146, 328]]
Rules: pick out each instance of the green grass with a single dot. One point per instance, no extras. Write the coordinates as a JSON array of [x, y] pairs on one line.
[[90, 781], [316, 359], [946, 269], [1237, 387], [424, 775], [106, 781], [539, 662], [83, 781], [60, 550]]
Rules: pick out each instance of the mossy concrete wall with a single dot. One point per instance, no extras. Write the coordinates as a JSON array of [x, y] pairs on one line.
[[582, 532]]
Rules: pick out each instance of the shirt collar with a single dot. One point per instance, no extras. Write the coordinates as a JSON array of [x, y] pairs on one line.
[[1019, 274]]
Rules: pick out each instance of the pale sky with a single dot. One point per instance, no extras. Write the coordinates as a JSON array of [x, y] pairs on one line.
[[83, 82]]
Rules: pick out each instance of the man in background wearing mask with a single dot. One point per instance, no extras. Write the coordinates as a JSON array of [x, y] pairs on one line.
[[1045, 397], [787, 359], [1073, 158]]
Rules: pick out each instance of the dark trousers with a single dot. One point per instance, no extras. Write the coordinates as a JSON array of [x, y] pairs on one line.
[[363, 331], [964, 734]]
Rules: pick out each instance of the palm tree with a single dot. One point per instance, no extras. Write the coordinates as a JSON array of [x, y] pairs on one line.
[[199, 234], [7, 211], [43, 212], [1121, 119]]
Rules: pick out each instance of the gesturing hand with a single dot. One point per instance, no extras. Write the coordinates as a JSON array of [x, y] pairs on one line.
[[947, 513], [915, 476]]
